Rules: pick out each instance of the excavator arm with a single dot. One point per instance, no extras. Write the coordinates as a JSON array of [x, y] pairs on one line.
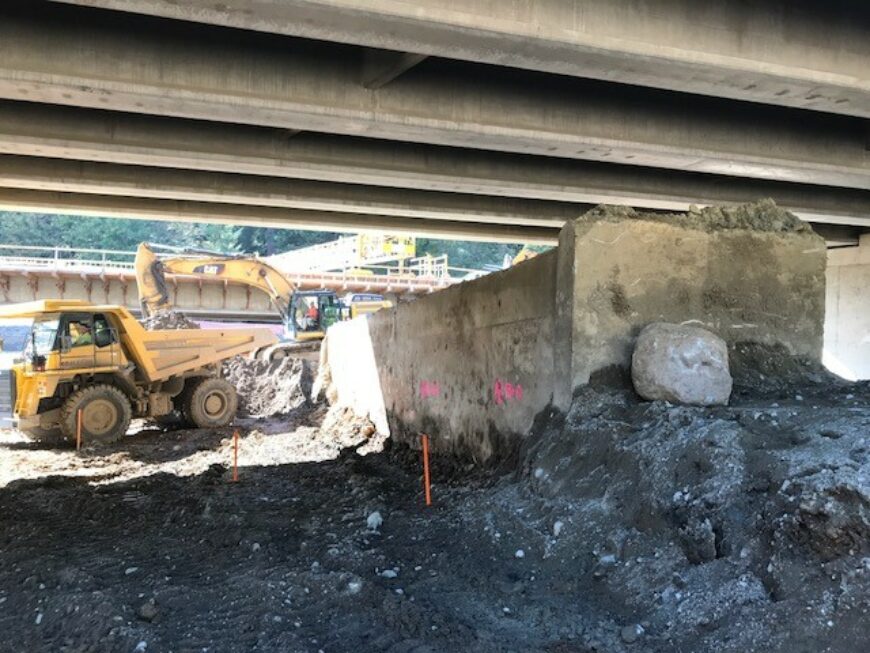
[[151, 271]]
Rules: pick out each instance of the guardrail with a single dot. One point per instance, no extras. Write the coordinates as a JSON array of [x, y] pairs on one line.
[[101, 261]]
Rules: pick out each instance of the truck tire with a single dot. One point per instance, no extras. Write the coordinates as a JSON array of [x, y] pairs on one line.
[[106, 414], [210, 403]]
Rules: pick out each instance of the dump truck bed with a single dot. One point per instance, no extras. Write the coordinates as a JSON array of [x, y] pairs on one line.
[[166, 353], [158, 354]]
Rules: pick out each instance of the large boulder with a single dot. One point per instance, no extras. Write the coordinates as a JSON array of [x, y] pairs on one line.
[[681, 364]]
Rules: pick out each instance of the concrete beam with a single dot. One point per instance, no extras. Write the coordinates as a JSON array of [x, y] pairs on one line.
[[767, 52], [89, 135], [381, 67], [837, 235], [163, 183], [264, 216], [199, 72]]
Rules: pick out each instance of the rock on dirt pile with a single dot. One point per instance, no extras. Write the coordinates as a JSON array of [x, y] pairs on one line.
[[270, 388], [744, 528], [169, 320], [682, 364]]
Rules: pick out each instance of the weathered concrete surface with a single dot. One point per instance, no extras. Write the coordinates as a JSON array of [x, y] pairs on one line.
[[208, 298], [847, 314], [144, 208], [473, 365], [190, 71], [762, 52], [35, 130], [758, 279]]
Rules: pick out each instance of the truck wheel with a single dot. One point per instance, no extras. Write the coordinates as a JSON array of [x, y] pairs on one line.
[[106, 414], [211, 403]]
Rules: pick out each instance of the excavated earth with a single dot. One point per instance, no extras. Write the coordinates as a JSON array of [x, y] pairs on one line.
[[168, 320], [621, 526]]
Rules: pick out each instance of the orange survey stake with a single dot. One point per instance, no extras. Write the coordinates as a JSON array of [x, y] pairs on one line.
[[236, 456], [426, 486]]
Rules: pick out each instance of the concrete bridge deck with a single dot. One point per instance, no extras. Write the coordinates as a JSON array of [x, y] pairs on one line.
[[480, 119]]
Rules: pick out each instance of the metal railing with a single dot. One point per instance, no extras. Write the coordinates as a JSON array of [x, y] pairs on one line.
[[65, 258], [102, 261]]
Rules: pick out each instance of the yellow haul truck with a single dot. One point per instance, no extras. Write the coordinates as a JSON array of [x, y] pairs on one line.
[[99, 361]]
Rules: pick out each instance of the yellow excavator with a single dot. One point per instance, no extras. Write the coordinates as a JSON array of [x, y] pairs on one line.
[[305, 315]]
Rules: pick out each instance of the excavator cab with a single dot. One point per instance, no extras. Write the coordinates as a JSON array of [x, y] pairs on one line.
[[312, 313]]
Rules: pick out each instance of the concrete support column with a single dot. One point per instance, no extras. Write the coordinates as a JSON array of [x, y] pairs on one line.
[[474, 366], [847, 311]]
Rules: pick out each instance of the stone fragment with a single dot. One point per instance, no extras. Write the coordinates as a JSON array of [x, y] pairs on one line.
[[374, 521], [148, 611], [681, 364], [630, 634]]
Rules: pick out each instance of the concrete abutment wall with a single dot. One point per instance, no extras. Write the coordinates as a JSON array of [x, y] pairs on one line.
[[472, 366], [847, 314]]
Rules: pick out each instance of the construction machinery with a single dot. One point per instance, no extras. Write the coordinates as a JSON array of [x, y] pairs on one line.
[[88, 369], [305, 315]]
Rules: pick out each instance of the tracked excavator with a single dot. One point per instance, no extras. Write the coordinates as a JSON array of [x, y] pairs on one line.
[[305, 315]]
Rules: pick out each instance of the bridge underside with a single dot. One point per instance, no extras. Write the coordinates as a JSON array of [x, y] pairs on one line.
[[354, 116]]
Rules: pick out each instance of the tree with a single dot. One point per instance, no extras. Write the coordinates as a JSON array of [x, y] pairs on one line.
[[125, 234]]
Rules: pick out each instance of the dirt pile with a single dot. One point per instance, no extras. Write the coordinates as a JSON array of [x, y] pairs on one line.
[[629, 527], [720, 529], [168, 320], [343, 427], [270, 388], [763, 215]]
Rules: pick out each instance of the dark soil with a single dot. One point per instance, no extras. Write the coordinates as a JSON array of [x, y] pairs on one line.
[[628, 526]]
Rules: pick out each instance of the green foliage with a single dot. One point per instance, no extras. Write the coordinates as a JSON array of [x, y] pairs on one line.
[[123, 234], [274, 241], [467, 254]]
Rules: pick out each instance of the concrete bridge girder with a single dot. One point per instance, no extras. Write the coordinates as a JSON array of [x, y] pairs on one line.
[[49, 202], [761, 52], [176, 70], [21, 285], [83, 135], [161, 183]]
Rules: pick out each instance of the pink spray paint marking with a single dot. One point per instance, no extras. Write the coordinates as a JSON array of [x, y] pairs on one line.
[[429, 389], [505, 391]]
